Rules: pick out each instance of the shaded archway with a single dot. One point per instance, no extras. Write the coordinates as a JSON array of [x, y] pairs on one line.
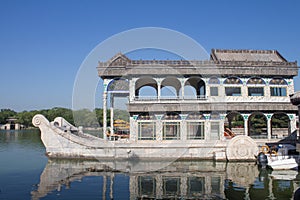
[[146, 87], [199, 86], [257, 125], [280, 123], [170, 88], [117, 93], [234, 121], [118, 85], [189, 92]]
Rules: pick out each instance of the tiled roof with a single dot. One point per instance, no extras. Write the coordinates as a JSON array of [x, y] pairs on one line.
[[246, 55]]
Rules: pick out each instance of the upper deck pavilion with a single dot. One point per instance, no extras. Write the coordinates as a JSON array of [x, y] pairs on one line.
[[243, 63]]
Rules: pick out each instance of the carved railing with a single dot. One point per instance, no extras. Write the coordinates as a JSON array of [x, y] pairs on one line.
[[169, 98]]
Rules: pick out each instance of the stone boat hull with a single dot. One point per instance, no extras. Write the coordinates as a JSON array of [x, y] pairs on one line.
[[63, 140]]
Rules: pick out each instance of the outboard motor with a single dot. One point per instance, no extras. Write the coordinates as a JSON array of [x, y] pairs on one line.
[[262, 160]]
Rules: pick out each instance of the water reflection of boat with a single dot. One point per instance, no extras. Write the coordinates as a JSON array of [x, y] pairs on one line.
[[188, 180], [284, 174], [185, 179], [181, 179]]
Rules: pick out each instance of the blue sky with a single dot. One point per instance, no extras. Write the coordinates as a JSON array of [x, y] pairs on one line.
[[43, 43]]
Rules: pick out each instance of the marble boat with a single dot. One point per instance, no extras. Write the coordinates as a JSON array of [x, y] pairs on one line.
[[63, 140]]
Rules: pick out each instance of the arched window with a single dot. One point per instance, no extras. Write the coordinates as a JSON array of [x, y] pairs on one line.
[[234, 89], [194, 85], [278, 81], [214, 90], [257, 126], [253, 89], [278, 87], [233, 124], [214, 80], [146, 88], [233, 80], [256, 81], [170, 87], [280, 123]]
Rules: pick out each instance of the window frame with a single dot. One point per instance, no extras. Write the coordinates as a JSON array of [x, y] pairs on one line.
[[233, 87], [217, 90], [255, 87], [195, 124], [141, 130], [216, 123], [166, 124], [278, 90]]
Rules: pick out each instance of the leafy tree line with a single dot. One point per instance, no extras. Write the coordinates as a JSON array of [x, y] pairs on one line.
[[83, 117]]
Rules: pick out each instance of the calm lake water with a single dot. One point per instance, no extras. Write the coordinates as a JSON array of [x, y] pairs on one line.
[[26, 173]]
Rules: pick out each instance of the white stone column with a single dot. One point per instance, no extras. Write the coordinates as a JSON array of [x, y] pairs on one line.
[[158, 88], [159, 128], [104, 114], [269, 128], [244, 90], [182, 88], [222, 129], [207, 87], [290, 87], [132, 89], [207, 180], [267, 90], [246, 117], [207, 127], [133, 128], [183, 186], [246, 127], [183, 127], [111, 114]]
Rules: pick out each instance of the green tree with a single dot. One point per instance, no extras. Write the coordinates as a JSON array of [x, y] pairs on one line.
[[86, 118], [6, 113], [25, 117], [66, 113]]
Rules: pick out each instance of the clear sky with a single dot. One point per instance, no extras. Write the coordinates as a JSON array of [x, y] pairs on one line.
[[43, 43]]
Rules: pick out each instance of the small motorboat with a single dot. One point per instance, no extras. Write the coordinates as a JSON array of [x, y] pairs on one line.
[[277, 160]]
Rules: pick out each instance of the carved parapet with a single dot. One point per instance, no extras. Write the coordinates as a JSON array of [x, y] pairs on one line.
[[39, 119]]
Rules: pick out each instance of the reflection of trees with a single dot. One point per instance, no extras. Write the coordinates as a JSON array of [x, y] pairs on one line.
[[30, 138]]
